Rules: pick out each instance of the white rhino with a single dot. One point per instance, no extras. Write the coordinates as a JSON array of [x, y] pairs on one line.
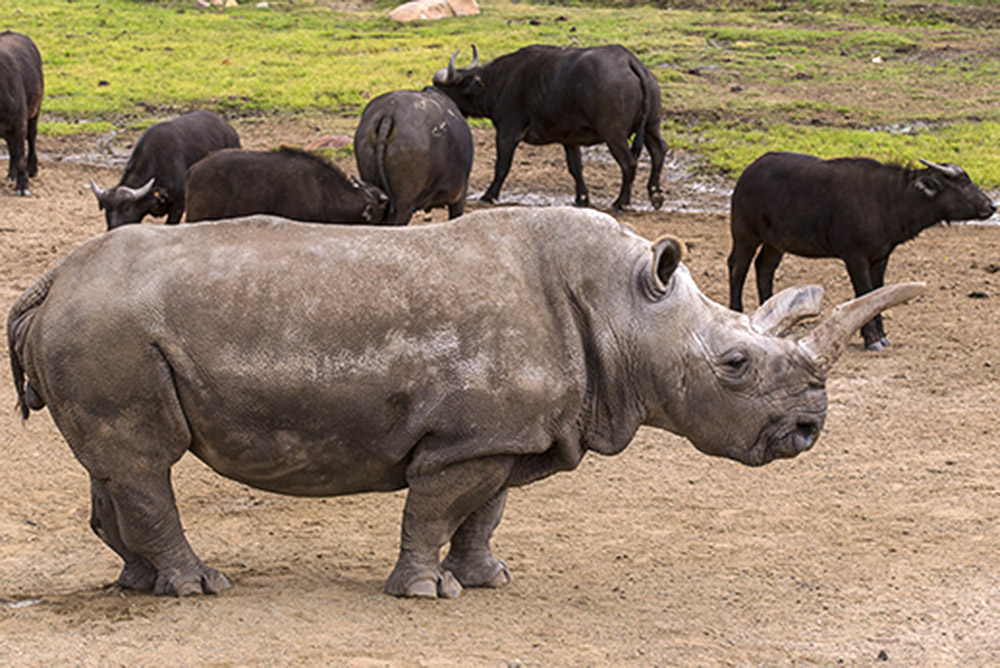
[[457, 359]]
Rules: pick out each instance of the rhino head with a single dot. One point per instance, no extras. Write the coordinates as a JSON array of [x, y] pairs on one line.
[[736, 385]]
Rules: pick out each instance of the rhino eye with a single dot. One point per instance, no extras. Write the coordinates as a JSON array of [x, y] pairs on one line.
[[736, 361]]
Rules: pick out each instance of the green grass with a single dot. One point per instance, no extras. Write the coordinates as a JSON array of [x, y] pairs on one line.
[[738, 78]]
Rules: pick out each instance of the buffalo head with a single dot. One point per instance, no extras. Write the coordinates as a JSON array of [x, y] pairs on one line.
[[465, 86], [123, 205], [953, 192]]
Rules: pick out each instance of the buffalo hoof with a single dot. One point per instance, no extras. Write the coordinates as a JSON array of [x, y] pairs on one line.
[[173, 582], [24, 192], [656, 198], [874, 346], [488, 199]]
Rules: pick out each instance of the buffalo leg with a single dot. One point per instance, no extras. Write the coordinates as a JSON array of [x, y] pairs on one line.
[[764, 266], [505, 156], [657, 152], [137, 572], [174, 213], [457, 208], [32, 154], [470, 558], [437, 504], [739, 263], [149, 526], [18, 172], [861, 278], [575, 163], [878, 280], [623, 156]]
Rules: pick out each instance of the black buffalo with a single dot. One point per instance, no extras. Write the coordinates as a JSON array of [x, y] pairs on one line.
[[574, 97], [855, 209], [285, 182], [153, 181], [21, 89], [417, 147]]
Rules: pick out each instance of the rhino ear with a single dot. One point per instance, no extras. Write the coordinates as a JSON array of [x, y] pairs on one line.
[[667, 255]]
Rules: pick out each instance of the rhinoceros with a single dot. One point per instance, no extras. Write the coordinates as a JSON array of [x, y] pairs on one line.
[[457, 360]]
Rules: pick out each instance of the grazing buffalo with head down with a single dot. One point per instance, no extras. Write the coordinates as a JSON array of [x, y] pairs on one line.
[[417, 147], [855, 209], [287, 182], [574, 97], [21, 89], [457, 359], [153, 181]]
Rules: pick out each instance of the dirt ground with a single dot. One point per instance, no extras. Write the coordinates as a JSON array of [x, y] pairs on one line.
[[882, 544]]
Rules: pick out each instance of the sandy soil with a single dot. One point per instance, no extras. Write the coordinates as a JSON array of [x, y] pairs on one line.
[[881, 544]]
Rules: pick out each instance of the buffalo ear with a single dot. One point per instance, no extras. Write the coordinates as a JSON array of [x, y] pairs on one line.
[[667, 255], [928, 185]]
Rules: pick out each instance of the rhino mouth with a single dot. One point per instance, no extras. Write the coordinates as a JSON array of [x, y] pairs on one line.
[[785, 438]]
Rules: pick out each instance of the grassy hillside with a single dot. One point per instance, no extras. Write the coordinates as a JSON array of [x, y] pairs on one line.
[[891, 79]]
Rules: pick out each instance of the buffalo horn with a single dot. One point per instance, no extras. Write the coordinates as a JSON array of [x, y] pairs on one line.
[[475, 57], [777, 315], [451, 68], [141, 191], [827, 341], [98, 193], [954, 171]]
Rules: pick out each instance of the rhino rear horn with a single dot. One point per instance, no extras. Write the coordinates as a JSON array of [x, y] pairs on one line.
[[827, 341], [779, 313]]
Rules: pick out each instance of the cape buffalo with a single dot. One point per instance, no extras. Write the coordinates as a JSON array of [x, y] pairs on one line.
[[287, 182], [455, 359], [574, 97], [855, 209], [153, 181], [417, 147], [21, 89]]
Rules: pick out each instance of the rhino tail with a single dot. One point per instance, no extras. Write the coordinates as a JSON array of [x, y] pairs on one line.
[[384, 136], [18, 322], [640, 134]]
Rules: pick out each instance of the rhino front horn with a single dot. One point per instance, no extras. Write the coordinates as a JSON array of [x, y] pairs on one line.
[[828, 340]]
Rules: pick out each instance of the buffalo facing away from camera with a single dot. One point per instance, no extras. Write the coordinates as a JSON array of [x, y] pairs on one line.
[[287, 182], [22, 87], [455, 359], [855, 209], [153, 181], [417, 147], [574, 97]]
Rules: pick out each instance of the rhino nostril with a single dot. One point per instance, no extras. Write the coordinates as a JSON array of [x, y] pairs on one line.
[[807, 431]]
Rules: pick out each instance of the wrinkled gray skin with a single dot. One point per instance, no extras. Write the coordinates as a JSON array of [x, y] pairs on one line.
[[457, 360]]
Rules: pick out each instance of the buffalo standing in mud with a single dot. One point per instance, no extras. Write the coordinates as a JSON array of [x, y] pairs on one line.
[[417, 147], [574, 97], [22, 87], [287, 182], [855, 209], [456, 359], [153, 180]]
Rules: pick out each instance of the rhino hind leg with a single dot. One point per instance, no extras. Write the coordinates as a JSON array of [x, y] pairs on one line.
[[470, 558], [149, 533], [137, 572], [437, 505]]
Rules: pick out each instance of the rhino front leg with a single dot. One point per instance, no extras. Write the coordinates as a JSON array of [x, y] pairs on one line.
[[437, 504], [149, 528], [470, 558]]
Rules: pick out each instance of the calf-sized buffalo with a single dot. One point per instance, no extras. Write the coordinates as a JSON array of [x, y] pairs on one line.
[[574, 97], [417, 147], [21, 89], [457, 359], [153, 181], [286, 182], [855, 209]]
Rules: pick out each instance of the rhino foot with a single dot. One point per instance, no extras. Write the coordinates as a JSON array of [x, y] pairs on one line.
[[491, 572], [422, 583], [137, 575], [204, 580]]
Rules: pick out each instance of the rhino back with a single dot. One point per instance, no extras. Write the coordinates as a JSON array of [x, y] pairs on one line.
[[315, 360]]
